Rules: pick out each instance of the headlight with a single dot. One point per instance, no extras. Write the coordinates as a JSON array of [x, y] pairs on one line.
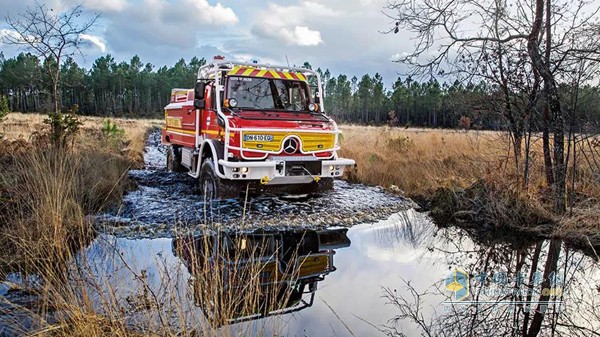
[[313, 107], [233, 102], [331, 168], [244, 170]]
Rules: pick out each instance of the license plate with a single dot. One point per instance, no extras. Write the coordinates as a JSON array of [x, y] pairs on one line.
[[258, 138]]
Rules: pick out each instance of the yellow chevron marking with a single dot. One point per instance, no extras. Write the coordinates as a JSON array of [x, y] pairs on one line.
[[263, 72]]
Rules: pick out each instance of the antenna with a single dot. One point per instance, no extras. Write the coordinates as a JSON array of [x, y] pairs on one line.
[[287, 60]]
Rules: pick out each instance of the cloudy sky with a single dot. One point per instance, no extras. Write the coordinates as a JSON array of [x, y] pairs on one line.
[[342, 35]]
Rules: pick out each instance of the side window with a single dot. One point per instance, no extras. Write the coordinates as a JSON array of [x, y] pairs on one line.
[[213, 99]]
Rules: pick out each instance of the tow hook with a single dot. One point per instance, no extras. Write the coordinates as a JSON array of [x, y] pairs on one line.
[[316, 178], [264, 180]]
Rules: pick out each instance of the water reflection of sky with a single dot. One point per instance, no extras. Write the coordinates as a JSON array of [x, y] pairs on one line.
[[378, 257], [382, 254]]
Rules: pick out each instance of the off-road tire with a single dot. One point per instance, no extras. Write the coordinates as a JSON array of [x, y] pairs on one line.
[[174, 159], [213, 186]]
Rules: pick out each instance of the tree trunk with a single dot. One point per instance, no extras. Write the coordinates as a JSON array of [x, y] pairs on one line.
[[546, 147], [550, 267], [559, 153], [553, 103]]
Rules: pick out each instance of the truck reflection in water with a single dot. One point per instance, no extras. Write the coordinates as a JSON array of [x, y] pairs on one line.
[[239, 277]]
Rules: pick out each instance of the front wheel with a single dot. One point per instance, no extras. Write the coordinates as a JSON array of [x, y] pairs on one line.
[[213, 187]]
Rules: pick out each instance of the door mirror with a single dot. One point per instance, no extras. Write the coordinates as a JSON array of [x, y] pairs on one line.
[[199, 90], [199, 103]]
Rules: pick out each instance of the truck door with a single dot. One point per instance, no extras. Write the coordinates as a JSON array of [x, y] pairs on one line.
[[209, 125]]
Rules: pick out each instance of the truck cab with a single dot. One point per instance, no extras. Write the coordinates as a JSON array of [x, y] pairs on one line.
[[253, 126]]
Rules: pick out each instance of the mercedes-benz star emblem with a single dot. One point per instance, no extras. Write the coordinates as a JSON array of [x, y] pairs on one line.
[[290, 146]]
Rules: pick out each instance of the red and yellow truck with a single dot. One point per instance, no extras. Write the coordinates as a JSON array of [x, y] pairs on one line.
[[256, 126]]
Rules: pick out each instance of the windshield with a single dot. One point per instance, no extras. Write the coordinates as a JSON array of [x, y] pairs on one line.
[[268, 93]]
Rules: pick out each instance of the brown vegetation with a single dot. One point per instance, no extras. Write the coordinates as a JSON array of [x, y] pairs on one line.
[[46, 191], [20, 126], [472, 177]]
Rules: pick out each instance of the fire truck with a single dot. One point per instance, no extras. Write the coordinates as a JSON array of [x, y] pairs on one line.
[[253, 127]]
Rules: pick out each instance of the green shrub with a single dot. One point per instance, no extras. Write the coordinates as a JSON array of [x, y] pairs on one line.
[[63, 126], [111, 130]]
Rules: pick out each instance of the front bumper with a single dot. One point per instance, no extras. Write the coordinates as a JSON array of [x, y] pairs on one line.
[[273, 172]]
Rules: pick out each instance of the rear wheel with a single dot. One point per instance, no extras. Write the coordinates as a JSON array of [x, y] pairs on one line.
[[174, 159], [214, 187]]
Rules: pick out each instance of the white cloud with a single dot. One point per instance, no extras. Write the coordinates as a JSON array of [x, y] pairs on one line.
[[302, 36], [8, 33], [95, 40], [287, 23], [208, 14], [106, 5], [396, 57], [297, 35], [157, 26], [342, 35]]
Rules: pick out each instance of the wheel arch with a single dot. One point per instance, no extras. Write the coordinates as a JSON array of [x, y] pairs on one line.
[[211, 148]]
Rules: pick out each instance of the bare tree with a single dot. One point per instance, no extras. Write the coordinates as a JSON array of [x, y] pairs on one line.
[[51, 36], [450, 34]]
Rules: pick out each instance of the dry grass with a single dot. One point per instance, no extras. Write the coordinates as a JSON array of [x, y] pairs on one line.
[[50, 191], [46, 192], [21, 126], [421, 162]]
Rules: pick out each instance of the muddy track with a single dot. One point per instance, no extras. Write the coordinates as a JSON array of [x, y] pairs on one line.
[[167, 203]]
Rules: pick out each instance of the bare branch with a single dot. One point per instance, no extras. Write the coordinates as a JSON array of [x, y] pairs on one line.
[[49, 36]]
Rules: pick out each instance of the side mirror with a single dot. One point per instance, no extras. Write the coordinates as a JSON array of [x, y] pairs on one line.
[[199, 90], [199, 103]]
